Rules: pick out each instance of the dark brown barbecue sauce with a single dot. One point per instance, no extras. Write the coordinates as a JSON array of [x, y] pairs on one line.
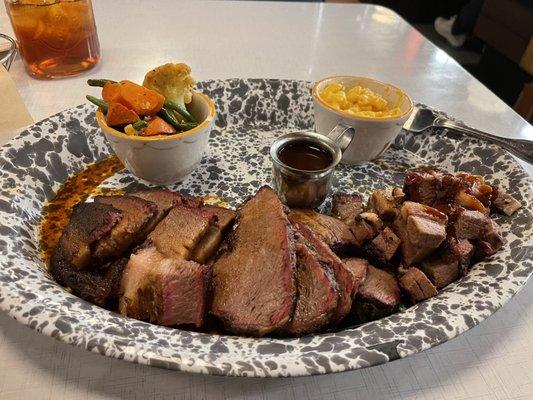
[[305, 155], [56, 212]]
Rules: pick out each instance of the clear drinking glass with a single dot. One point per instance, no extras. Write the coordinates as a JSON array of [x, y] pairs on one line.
[[56, 38]]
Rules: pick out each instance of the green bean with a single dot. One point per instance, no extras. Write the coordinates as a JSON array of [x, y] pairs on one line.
[[98, 102], [99, 82], [139, 125], [171, 119], [179, 108]]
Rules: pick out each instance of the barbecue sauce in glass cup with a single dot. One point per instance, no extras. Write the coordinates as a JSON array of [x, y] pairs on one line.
[[303, 165], [305, 155]]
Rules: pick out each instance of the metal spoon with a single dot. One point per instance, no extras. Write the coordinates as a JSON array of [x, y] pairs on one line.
[[424, 118]]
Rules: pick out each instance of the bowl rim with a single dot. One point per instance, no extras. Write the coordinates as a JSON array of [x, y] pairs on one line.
[[314, 91], [157, 138]]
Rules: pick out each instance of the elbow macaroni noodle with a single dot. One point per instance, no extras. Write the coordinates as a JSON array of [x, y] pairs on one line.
[[358, 101]]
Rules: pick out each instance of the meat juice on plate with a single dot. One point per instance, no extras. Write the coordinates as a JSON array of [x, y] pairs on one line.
[[56, 38]]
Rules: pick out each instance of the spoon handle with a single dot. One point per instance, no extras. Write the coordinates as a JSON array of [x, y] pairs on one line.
[[519, 147]]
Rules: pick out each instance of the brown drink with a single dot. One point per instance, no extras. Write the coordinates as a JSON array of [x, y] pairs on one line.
[[56, 38]]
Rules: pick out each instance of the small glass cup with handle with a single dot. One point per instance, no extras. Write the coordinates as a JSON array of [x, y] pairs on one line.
[[303, 188]]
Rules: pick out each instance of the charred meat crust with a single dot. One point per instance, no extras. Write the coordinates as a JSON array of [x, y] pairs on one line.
[[97, 287], [89, 223], [164, 199], [130, 231]]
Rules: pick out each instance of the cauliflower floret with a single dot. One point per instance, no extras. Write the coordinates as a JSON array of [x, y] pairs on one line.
[[174, 81]]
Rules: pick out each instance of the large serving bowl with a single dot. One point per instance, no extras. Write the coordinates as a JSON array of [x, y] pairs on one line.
[[252, 114], [164, 159], [373, 136]]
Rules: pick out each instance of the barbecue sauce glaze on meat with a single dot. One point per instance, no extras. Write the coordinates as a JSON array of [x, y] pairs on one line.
[[77, 188]]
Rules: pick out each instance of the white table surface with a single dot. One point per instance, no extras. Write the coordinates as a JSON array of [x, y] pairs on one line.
[[306, 41]]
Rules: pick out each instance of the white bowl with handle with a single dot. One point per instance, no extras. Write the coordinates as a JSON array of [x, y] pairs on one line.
[[373, 135]]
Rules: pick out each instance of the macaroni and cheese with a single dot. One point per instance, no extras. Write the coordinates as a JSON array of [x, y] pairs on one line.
[[358, 101]]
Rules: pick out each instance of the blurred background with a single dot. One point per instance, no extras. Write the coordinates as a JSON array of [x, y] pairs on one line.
[[492, 39]]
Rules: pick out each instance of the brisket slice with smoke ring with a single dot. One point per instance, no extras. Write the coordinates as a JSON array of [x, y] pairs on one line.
[[317, 291], [341, 274], [163, 290], [254, 288]]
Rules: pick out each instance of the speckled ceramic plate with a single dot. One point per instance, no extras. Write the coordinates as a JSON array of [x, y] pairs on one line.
[[251, 114]]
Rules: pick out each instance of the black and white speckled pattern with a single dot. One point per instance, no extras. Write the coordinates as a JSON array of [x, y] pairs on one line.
[[251, 114]]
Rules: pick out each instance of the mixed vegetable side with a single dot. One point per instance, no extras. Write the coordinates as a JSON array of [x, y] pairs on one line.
[[158, 107]]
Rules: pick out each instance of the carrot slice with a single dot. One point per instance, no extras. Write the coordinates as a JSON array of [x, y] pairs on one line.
[[142, 100], [158, 126], [111, 92], [117, 114]]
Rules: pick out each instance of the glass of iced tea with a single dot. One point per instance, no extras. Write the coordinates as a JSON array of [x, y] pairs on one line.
[[56, 38]]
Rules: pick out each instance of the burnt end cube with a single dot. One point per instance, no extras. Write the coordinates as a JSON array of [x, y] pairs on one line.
[[460, 250], [378, 296], [441, 272], [365, 227], [470, 224], [346, 206], [492, 234], [421, 229], [385, 245], [382, 204], [425, 232], [505, 203], [398, 195], [416, 284]]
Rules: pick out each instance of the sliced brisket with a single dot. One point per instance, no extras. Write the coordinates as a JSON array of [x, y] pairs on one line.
[[329, 260], [164, 199], [331, 230], [211, 241], [317, 292], [96, 286], [163, 290], [130, 231], [254, 289], [180, 232], [358, 268]]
